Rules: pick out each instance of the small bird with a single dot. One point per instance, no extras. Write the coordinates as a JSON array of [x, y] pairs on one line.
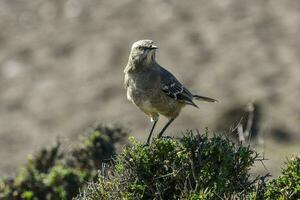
[[153, 89]]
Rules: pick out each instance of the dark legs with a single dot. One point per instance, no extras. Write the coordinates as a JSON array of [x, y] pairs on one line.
[[149, 137], [165, 127], [160, 133]]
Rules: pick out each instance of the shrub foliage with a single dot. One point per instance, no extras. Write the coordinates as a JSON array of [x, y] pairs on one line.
[[286, 186], [192, 167], [53, 174]]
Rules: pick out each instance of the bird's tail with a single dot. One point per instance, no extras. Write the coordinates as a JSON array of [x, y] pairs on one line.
[[202, 98]]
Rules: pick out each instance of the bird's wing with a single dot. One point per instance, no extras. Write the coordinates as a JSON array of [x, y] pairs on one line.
[[174, 89]]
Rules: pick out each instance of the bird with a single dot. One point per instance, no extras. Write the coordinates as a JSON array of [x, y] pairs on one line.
[[153, 89]]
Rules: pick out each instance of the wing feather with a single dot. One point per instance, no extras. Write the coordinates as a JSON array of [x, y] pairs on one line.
[[174, 89]]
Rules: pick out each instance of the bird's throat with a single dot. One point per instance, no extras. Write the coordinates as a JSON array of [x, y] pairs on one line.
[[140, 63]]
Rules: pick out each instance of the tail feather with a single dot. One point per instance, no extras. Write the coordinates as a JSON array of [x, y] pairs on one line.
[[192, 104], [202, 98]]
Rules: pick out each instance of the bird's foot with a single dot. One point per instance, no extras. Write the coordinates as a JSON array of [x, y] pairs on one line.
[[146, 144], [165, 137]]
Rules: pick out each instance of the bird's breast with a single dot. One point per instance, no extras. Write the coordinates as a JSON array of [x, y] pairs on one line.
[[142, 88], [146, 81]]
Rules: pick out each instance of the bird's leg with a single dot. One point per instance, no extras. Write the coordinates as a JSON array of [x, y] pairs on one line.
[[165, 127], [150, 134]]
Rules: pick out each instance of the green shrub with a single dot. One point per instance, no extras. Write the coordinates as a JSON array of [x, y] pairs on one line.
[[193, 167], [286, 186], [52, 174]]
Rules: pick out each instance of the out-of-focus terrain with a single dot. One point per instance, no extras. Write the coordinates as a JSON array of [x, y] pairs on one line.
[[61, 68]]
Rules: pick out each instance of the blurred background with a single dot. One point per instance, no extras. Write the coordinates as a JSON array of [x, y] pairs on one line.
[[62, 61]]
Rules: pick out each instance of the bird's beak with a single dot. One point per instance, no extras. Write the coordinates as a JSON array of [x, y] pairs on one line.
[[153, 47]]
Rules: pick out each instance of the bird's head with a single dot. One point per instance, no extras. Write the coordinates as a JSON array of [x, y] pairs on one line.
[[143, 51]]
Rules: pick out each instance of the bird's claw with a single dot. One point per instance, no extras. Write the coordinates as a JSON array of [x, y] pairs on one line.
[[165, 137], [146, 144]]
